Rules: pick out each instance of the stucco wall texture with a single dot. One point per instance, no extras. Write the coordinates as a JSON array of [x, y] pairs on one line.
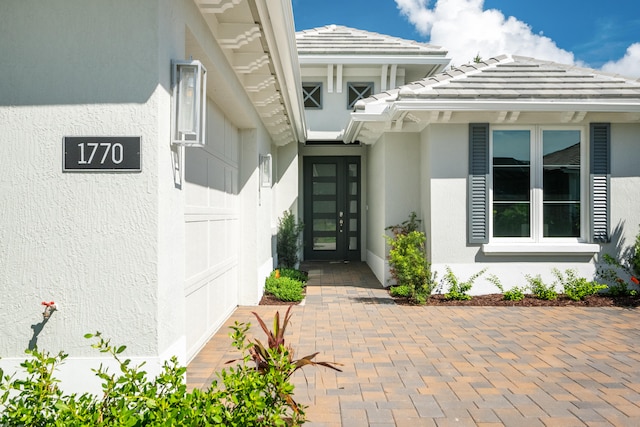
[[85, 240]]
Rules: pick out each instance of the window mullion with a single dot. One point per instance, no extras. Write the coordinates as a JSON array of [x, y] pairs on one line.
[[537, 195]]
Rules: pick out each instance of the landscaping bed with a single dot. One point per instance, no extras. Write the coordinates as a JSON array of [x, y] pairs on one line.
[[497, 300], [529, 301], [268, 299]]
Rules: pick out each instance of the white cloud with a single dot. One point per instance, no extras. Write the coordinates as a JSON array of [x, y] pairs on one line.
[[465, 29], [629, 65]]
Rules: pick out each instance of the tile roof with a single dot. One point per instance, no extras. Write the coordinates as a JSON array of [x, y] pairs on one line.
[[340, 40], [517, 78]]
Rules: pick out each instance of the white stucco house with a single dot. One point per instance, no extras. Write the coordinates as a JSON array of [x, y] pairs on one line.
[[514, 164], [150, 147]]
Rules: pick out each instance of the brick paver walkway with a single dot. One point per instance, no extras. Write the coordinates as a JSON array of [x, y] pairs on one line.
[[441, 366]]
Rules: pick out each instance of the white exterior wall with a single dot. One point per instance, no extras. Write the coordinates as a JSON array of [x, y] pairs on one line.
[[88, 241], [286, 184], [375, 209], [394, 192], [150, 259], [256, 259], [625, 186], [445, 149], [287, 190], [334, 115]]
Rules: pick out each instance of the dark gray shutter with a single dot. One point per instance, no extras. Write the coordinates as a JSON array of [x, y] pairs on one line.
[[599, 180], [478, 226]]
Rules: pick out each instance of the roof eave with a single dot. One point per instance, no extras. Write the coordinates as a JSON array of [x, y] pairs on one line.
[[604, 106], [387, 111], [278, 27], [356, 59]]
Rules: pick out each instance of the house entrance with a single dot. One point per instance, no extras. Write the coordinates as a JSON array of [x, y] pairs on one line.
[[332, 208]]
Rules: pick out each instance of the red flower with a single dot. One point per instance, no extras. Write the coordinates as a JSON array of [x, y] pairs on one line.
[[635, 280], [48, 304]]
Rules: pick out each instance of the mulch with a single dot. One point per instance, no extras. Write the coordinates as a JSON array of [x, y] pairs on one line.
[[497, 300], [268, 299]]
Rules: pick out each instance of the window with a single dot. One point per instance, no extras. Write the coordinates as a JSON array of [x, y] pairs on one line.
[[356, 92], [536, 176], [312, 95], [534, 184]]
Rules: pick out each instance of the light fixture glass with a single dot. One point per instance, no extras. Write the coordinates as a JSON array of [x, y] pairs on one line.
[[189, 103], [265, 170]]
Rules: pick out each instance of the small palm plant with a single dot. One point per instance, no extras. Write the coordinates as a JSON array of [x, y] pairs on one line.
[[275, 341], [276, 359]]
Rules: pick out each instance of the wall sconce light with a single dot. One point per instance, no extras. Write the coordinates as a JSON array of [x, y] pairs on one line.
[[265, 170], [189, 86]]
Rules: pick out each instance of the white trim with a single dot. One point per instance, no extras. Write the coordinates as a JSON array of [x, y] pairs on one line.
[[542, 249], [393, 77], [536, 202], [430, 59], [279, 33], [321, 135], [383, 77], [596, 106], [378, 267]]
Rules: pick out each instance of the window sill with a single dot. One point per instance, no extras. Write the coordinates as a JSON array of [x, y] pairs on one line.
[[540, 249]]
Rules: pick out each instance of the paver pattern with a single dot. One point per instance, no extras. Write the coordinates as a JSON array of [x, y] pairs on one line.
[[442, 366]]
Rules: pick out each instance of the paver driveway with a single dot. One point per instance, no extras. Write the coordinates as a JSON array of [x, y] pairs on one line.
[[441, 366]]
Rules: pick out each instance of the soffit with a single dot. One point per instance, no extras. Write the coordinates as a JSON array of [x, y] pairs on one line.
[[254, 36]]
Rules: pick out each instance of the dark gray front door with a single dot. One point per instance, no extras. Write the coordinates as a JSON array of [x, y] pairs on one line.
[[331, 208]]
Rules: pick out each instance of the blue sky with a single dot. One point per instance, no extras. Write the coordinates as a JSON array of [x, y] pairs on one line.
[[592, 33]]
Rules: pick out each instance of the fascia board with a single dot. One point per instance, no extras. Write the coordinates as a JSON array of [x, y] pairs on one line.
[[358, 119], [355, 59], [385, 112], [478, 106]]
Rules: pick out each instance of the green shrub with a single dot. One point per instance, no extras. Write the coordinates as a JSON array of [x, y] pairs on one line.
[[257, 391], [128, 399], [540, 290], [514, 294], [634, 258], [621, 289], [284, 288], [409, 266], [629, 264], [576, 288], [400, 291], [288, 240], [456, 289], [292, 273]]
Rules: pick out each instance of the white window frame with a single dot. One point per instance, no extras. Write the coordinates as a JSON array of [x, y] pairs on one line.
[[536, 189]]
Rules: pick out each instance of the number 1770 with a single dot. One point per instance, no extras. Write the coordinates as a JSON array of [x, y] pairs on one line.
[[105, 151]]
